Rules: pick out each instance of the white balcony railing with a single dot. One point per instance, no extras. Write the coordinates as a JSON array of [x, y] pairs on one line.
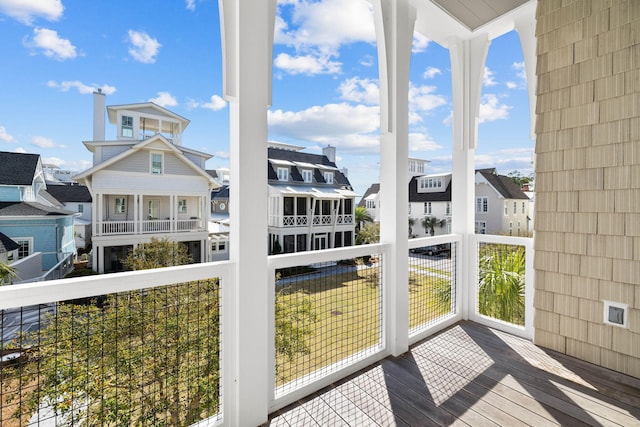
[[303, 220], [345, 293], [150, 226]]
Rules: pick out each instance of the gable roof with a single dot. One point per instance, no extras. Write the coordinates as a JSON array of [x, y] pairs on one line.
[[30, 209], [70, 193], [373, 189], [436, 196], [6, 244], [504, 185], [220, 193], [17, 168], [137, 147]]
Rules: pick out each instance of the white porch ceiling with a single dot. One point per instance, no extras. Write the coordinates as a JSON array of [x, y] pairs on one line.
[[442, 20]]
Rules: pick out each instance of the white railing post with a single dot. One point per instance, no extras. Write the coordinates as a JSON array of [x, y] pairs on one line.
[[394, 22], [247, 42]]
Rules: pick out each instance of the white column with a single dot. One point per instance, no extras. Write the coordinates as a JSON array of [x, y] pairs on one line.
[[247, 38], [467, 69], [395, 21]]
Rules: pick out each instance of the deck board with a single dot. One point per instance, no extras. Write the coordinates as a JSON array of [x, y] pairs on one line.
[[472, 375]]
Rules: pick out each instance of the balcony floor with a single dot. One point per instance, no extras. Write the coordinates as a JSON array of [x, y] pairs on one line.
[[469, 374]]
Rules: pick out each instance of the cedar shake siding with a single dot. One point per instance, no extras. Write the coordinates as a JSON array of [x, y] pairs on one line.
[[587, 237]]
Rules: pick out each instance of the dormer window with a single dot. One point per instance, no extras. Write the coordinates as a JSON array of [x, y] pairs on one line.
[[283, 174], [157, 163], [328, 176], [127, 126], [307, 175]]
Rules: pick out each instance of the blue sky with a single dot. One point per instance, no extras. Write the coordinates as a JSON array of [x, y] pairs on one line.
[[325, 88]]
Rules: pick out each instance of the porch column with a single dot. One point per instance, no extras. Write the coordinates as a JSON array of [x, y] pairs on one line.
[[247, 41], [136, 214], [467, 68], [394, 22]]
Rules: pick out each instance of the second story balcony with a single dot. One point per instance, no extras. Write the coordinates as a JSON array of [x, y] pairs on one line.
[[144, 214]]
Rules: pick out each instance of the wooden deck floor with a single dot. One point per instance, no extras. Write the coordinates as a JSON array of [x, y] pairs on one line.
[[473, 375]]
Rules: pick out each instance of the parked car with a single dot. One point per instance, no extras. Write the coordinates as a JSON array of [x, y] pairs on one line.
[[434, 250]]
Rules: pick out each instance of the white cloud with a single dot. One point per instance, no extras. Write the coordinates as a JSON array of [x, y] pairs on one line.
[[431, 72], [143, 48], [521, 76], [26, 11], [491, 109], [20, 150], [216, 103], [164, 99], [51, 44], [326, 24], [424, 98], [222, 154], [346, 126], [487, 78], [44, 142], [190, 5], [367, 61], [82, 88], [75, 165], [316, 30], [306, 64], [360, 90], [4, 136], [506, 160], [419, 43], [422, 142]]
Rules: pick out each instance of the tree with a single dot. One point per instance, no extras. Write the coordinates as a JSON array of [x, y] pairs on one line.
[[430, 223], [7, 273], [501, 282], [146, 357], [370, 233], [519, 178], [362, 217], [156, 254]]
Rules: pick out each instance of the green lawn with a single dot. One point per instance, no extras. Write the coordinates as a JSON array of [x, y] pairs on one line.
[[348, 315]]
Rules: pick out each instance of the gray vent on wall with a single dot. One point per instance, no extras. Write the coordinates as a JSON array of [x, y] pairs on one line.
[[615, 313]]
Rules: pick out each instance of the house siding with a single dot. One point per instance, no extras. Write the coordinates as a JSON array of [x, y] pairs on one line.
[[587, 169]]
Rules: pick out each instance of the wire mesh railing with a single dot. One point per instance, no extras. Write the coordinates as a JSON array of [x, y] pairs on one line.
[[432, 284], [145, 356], [328, 315], [504, 283]]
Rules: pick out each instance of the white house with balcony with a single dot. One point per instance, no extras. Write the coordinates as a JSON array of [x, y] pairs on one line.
[[145, 184], [311, 201]]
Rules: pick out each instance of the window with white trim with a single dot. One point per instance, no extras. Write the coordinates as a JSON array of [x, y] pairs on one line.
[[307, 175], [510, 228], [127, 126], [371, 204], [523, 204], [448, 211], [157, 163], [506, 208], [120, 205], [328, 176], [26, 246], [427, 208], [515, 207], [182, 206], [80, 208], [481, 227], [482, 204], [283, 174]]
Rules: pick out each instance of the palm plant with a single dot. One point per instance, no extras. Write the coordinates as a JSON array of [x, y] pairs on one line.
[[501, 283], [361, 216], [430, 223], [6, 272]]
